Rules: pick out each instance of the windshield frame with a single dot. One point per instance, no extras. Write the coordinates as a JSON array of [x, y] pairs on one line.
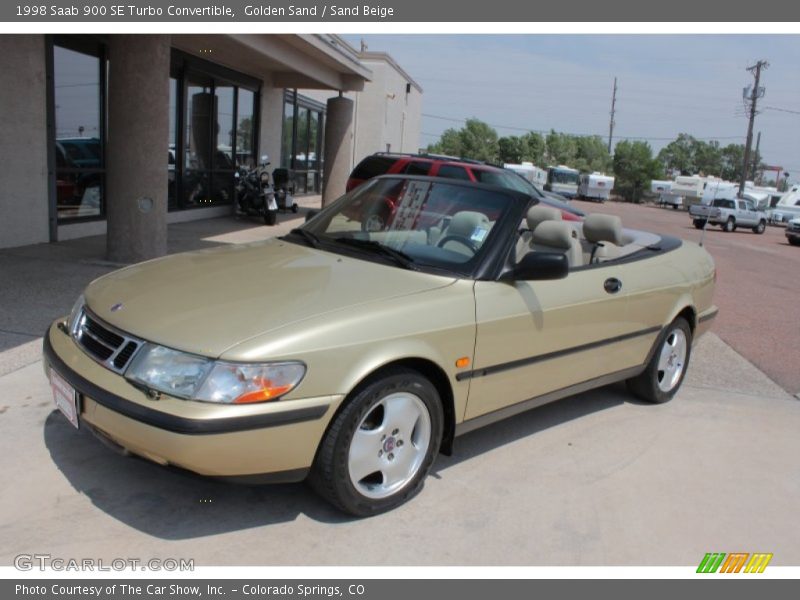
[[484, 265]]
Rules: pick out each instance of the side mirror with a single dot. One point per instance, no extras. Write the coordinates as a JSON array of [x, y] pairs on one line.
[[311, 214], [540, 266]]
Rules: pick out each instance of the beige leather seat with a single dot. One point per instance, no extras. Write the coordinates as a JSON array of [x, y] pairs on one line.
[[467, 225], [604, 237], [536, 214], [558, 236]]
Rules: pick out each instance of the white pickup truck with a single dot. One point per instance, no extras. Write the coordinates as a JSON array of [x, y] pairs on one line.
[[729, 214]]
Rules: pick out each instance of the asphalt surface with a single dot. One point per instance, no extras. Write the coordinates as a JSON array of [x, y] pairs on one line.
[[757, 285], [596, 479]]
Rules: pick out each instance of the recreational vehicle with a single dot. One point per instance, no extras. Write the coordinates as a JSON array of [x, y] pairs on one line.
[[595, 186], [562, 180]]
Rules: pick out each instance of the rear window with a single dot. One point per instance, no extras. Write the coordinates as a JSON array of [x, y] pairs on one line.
[[372, 166], [453, 172], [724, 204], [502, 179], [417, 168]]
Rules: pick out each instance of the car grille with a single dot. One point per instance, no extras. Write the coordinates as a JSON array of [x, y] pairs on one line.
[[108, 346], [794, 227]]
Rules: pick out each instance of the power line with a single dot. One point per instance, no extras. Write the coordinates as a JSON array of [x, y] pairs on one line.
[[546, 131], [786, 110]]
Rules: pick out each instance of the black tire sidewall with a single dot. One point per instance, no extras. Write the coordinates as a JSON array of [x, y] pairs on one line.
[[341, 433]]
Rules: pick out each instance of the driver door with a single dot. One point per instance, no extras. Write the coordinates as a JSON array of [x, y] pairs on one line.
[[537, 337]]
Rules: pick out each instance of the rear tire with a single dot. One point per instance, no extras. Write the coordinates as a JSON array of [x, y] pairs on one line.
[[730, 225], [699, 223], [382, 444], [663, 375], [760, 228], [270, 217]]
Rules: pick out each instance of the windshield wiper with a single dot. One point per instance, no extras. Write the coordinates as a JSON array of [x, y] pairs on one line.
[[310, 238], [399, 257]]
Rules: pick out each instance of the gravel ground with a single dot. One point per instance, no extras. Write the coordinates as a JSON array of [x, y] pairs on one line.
[[757, 285]]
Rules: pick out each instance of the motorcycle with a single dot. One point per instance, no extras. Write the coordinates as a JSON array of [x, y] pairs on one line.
[[255, 196]]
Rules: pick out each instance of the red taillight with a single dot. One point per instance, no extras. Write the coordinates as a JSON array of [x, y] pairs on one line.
[[568, 216]]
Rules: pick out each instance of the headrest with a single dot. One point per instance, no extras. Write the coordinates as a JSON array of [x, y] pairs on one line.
[[464, 223], [553, 234], [603, 228], [539, 213]]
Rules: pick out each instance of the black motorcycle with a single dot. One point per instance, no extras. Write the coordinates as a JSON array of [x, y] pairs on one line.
[[254, 195]]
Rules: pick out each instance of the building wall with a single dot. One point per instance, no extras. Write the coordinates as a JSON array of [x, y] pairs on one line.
[[271, 124], [24, 212]]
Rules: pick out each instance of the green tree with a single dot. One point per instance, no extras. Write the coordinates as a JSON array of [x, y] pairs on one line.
[[561, 148], [732, 158], [707, 157], [475, 140], [512, 149], [534, 148], [592, 154], [634, 169], [678, 155]]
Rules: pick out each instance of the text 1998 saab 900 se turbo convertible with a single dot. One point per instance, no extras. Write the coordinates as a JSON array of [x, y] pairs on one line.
[[351, 356]]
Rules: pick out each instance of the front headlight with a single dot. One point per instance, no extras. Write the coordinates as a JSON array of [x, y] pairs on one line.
[[194, 377], [75, 314]]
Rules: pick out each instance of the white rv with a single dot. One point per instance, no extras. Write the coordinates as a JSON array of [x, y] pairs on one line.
[[663, 187], [595, 186], [788, 207], [529, 171], [686, 190]]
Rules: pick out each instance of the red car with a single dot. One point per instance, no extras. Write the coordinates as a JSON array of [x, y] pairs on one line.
[[433, 165]]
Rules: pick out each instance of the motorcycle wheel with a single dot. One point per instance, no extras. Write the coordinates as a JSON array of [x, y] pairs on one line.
[[270, 217]]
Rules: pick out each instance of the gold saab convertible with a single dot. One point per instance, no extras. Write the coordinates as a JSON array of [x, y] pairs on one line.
[[353, 350]]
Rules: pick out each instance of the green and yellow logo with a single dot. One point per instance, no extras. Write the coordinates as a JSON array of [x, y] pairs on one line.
[[735, 562]]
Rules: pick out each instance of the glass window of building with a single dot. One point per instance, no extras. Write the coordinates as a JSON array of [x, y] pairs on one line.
[[215, 109], [301, 142], [79, 119]]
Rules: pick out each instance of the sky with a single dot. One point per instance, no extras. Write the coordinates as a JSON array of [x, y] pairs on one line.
[[667, 84]]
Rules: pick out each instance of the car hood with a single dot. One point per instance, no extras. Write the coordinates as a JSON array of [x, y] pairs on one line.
[[208, 301]]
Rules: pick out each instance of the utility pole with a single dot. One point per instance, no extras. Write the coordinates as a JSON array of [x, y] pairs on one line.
[[755, 160], [754, 96], [613, 111]]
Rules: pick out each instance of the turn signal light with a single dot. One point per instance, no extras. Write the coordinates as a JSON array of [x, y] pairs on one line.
[[462, 362]]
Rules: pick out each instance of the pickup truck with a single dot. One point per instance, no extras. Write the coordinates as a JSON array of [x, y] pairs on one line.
[[729, 214]]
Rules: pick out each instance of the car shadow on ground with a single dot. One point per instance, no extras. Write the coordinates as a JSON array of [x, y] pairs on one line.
[[173, 504]]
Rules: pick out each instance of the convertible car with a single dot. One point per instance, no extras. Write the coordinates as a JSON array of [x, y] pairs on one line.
[[351, 356]]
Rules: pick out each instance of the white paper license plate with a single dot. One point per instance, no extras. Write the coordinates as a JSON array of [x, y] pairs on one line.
[[65, 397]]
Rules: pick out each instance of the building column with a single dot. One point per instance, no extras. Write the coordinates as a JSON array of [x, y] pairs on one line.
[[338, 148], [136, 151]]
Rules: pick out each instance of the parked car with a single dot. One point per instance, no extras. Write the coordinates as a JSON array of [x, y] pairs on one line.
[[793, 231], [354, 357], [729, 214], [434, 165], [787, 208]]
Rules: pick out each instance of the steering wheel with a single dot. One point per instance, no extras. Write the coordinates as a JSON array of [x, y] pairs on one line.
[[460, 239]]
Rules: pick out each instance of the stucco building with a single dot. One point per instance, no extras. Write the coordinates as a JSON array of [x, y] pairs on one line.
[[123, 134]]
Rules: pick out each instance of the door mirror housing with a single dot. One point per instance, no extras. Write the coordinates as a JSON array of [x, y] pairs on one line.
[[540, 266]]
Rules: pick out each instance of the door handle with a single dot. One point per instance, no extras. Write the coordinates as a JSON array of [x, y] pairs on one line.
[[612, 285]]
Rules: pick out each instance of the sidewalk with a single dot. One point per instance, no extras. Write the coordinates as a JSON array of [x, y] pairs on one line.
[[41, 282]]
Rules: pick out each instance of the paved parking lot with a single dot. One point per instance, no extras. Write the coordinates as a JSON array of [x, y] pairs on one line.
[[757, 285], [597, 479]]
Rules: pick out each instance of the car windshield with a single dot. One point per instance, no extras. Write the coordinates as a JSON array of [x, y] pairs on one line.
[[411, 223], [564, 176], [504, 179]]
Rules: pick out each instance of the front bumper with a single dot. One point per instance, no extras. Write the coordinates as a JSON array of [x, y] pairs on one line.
[[792, 234], [278, 438]]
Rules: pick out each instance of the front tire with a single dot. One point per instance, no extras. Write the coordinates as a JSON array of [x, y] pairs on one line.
[[663, 375], [382, 444], [699, 223], [760, 228]]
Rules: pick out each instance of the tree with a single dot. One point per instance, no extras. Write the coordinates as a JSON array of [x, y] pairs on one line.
[[475, 140], [707, 157], [634, 168], [512, 149], [678, 155], [732, 157], [535, 148], [591, 155], [561, 149]]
